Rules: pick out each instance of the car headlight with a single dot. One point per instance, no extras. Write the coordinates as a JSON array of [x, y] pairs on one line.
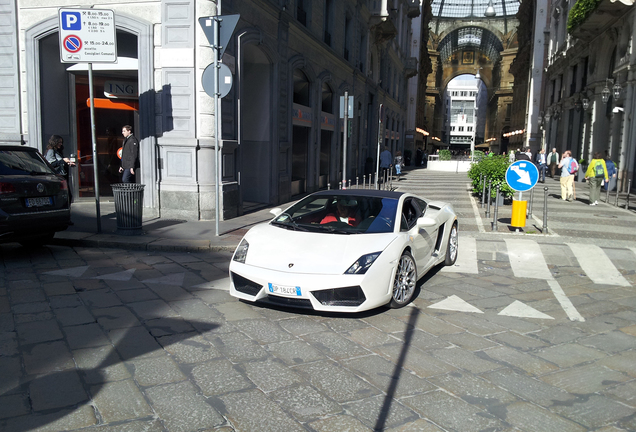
[[363, 263], [241, 251]]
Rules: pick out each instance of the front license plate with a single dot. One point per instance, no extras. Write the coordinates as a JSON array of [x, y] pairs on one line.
[[38, 202], [284, 290]]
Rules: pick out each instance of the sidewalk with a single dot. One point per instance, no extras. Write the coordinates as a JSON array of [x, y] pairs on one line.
[[158, 234], [569, 220]]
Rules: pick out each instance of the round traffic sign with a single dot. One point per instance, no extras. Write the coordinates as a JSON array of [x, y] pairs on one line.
[[522, 175], [225, 80], [72, 43]]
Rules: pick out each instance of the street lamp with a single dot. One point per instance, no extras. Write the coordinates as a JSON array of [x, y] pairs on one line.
[[490, 10], [617, 90], [585, 102], [606, 92]]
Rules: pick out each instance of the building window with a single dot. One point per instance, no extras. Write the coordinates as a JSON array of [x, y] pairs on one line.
[[301, 11], [460, 128], [328, 21], [347, 37]]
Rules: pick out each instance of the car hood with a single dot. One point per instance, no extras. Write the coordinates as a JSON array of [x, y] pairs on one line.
[[277, 249]]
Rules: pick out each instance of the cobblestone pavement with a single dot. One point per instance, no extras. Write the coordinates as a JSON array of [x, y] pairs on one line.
[[152, 341]]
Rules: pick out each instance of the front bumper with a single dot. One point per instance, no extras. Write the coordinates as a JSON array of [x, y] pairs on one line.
[[332, 293]]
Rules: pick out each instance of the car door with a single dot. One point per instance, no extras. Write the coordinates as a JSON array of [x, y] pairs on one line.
[[422, 245], [428, 234]]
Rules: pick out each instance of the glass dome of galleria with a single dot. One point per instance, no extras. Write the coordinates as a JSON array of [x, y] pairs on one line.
[[454, 9]]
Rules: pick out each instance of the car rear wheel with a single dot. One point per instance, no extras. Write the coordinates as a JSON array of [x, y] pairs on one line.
[[453, 244], [404, 282], [36, 242]]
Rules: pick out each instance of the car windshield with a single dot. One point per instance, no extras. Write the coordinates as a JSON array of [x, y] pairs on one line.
[[18, 162], [340, 214]]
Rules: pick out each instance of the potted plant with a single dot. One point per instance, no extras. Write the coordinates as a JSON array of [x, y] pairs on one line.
[[494, 168]]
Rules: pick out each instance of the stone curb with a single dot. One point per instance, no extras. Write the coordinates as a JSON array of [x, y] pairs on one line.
[[142, 242]]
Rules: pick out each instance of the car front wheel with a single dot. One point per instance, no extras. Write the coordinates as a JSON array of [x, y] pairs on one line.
[[451, 249], [404, 282]]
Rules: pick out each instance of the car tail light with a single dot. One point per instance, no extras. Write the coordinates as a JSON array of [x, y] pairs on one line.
[[6, 188], [64, 185]]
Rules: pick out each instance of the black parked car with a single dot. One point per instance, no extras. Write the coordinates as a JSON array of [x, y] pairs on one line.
[[34, 200]]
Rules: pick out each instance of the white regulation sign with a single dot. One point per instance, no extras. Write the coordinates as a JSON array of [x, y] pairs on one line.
[[87, 36]]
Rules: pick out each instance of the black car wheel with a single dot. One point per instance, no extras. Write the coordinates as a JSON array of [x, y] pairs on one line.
[[451, 249], [404, 282]]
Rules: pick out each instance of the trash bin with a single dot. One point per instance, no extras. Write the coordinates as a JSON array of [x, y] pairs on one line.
[[129, 206]]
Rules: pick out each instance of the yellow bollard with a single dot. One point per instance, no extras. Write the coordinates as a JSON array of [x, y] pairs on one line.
[[518, 219]]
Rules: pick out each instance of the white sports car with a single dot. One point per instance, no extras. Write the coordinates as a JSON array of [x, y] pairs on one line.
[[344, 251]]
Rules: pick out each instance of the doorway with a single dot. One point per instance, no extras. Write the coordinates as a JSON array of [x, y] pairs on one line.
[[255, 146], [110, 116]]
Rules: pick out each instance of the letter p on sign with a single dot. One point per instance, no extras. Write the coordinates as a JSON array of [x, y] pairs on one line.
[[71, 21]]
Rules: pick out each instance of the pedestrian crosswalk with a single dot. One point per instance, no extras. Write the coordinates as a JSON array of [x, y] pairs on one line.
[[527, 260]]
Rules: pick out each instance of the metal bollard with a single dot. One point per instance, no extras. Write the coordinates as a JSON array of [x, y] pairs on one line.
[[545, 210], [488, 208], [349, 187], [607, 195], [483, 193], [629, 188], [364, 181], [340, 185], [391, 179], [529, 215], [494, 219], [328, 186], [357, 185]]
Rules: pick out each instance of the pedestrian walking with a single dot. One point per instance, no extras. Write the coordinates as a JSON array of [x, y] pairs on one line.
[[595, 174], [541, 165], [385, 161], [611, 172], [129, 155], [553, 161], [568, 168]]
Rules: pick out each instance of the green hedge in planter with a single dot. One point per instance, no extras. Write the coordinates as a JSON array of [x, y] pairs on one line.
[[495, 169], [444, 155], [478, 155], [580, 11]]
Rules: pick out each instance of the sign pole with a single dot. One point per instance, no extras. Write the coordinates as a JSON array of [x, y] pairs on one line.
[[344, 141], [377, 160], [217, 128], [94, 144]]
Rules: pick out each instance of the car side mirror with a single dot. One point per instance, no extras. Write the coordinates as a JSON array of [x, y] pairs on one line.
[[426, 222], [276, 211]]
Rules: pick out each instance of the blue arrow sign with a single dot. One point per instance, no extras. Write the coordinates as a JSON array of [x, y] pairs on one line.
[[522, 175]]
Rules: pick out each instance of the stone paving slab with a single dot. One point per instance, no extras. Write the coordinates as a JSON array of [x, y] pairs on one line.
[[199, 359]]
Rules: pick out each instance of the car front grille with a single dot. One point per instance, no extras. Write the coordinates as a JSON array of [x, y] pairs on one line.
[[286, 301], [246, 286], [347, 296]]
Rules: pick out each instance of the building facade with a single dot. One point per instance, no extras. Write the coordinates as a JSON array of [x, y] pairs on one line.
[[589, 92], [281, 133]]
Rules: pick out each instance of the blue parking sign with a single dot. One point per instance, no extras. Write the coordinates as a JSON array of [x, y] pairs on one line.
[[71, 21], [522, 175]]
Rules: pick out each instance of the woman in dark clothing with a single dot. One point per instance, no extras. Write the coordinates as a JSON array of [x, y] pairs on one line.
[[55, 156]]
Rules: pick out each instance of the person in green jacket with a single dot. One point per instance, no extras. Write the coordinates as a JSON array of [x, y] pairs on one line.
[[596, 172]]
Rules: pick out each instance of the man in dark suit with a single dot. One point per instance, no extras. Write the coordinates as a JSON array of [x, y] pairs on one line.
[[542, 165], [129, 155]]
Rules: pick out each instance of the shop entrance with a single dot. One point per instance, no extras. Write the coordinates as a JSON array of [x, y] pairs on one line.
[[110, 116]]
